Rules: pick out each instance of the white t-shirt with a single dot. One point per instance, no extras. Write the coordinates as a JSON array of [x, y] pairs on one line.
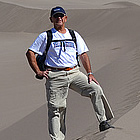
[[60, 54]]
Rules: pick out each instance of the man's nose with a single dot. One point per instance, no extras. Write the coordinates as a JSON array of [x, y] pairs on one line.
[[59, 17]]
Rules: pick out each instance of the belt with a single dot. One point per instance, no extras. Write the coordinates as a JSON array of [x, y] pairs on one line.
[[65, 69]]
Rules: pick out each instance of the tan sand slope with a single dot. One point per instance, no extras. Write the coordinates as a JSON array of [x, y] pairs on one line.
[[127, 127], [70, 4], [112, 35]]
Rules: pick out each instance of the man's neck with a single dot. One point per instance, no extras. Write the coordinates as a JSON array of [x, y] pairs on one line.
[[61, 29]]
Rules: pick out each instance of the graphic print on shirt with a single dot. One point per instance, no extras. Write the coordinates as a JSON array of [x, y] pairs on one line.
[[64, 46]]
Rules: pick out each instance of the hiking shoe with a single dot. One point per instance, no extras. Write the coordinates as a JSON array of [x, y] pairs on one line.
[[104, 126]]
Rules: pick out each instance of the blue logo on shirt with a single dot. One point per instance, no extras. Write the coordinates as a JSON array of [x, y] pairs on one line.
[[63, 44]]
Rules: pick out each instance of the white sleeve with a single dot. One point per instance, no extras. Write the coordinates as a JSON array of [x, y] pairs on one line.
[[39, 45], [81, 45]]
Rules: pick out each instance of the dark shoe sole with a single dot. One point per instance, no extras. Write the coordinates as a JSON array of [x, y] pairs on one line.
[[105, 126]]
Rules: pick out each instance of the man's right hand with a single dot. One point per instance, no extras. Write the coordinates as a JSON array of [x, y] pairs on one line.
[[42, 74], [32, 61]]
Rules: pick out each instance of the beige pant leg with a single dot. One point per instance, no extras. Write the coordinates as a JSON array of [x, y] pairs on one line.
[[80, 84], [57, 92], [56, 121]]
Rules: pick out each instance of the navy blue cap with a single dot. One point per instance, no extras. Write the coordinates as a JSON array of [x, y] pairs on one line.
[[56, 10]]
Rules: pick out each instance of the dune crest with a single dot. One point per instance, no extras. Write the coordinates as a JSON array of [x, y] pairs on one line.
[[122, 4]]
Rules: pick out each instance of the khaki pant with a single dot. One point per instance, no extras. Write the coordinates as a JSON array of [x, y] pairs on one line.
[[57, 91]]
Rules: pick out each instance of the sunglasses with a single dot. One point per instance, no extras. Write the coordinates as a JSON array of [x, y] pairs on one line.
[[58, 15]]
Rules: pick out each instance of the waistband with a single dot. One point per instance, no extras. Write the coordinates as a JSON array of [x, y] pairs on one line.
[[65, 69]]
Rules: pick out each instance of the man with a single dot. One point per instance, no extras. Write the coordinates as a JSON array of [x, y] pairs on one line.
[[62, 72]]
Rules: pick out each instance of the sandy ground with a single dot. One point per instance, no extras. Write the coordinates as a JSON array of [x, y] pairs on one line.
[[111, 29]]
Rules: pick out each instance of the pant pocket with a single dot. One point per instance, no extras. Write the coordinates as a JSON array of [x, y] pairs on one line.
[[57, 97]]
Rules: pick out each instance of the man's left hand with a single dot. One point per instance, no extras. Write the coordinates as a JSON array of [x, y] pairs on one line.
[[91, 78]]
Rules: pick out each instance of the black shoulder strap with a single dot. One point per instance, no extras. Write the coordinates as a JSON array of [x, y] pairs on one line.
[[74, 39], [49, 40], [73, 36]]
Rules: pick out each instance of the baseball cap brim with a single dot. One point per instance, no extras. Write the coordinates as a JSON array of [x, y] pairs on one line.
[[58, 13]]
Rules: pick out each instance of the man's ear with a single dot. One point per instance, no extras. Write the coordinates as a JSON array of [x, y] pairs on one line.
[[51, 19], [66, 18]]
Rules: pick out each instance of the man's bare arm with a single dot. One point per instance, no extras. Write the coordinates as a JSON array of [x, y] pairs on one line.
[[86, 63], [32, 61]]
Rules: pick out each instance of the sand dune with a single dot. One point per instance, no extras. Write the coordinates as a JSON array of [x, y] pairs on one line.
[[112, 32], [70, 4]]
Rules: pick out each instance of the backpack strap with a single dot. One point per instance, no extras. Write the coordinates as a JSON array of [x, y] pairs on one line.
[[49, 40], [73, 36], [74, 39]]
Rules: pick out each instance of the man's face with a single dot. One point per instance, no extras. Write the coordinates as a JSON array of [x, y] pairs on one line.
[[58, 19]]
